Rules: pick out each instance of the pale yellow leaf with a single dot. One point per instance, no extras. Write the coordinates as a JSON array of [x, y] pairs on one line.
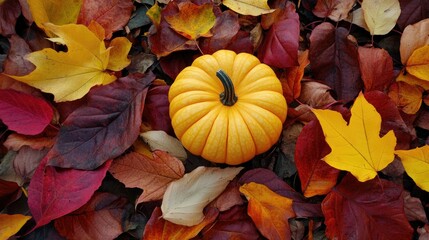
[[357, 147], [160, 140], [413, 37], [381, 15], [248, 7], [416, 164], [185, 199]]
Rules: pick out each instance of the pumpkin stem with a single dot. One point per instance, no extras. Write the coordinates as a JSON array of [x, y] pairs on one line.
[[228, 97]]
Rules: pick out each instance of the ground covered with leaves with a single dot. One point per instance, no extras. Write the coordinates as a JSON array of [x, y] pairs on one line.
[[88, 150]]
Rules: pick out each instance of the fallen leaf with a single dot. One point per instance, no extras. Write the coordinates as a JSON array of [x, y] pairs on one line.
[[334, 60], [16, 141], [413, 37], [161, 229], [269, 211], [150, 174], [58, 13], [11, 224], [55, 192], [368, 210], [412, 80], [70, 75], [291, 78], [156, 109], [154, 13], [418, 63], [413, 208], [229, 198], [9, 13], [357, 146], [317, 177], [26, 162], [24, 113], [406, 96], [119, 48], [381, 15], [193, 21], [375, 78], [113, 15], [15, 63], [249, 7], [315, 94], [7, 172], [104, 127], [185, 198], [45, 232], [416, 164], [412, 11], [103, 209], [336, 10], [160, 140], [280, 45], [233, 224]]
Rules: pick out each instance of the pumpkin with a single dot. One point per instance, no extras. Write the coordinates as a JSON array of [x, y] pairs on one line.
[[227, 107]]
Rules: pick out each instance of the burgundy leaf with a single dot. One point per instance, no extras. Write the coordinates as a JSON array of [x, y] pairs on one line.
[[156, 110], [366, 210], [175, 62], [9, 13], [334, 60], [103, 128], [55, 192], [412, 11], [23, 112], [280, 46], [15, 63]]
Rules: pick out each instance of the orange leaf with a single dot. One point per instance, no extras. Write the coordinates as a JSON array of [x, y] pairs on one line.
[[418, 63], [269, 211], [10, 224], [291, 80], [150, 174], [375, 78], [160, 229], [192, 21], [406, 96]]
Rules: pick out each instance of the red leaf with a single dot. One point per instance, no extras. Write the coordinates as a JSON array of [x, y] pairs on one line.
[[412, 11], [8, 192], [366, 210], [156, 109], [375, 78], [90, 221], [103, 128], [317, 177], [23, 112], [9, 13], [55, 192], [175, 62], [113, 15], [280, 46], [233, 224], [334, 60]]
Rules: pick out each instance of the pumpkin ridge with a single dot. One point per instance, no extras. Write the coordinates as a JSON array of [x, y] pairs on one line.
[[248, 129]]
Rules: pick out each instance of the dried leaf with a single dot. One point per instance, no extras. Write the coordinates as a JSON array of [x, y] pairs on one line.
[[69, 75], [9, 13], [413, 37], [291, 79], [414, 209], [156, 109], [193, 21], [357, 146], [412, 11], [160, 140], [185, 198], [418, 63], [381, 15], [150, 174], [11, 224], [248, 7], [336, 10], [375, 78], [268, 210], [416, 164], [15, 63], [407, 97]]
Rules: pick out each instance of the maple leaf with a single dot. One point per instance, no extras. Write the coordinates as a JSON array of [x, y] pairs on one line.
[[416, 164], [10, 224], [248, 7], [418, 63], [357, 147], [185, 198], [381, 15], [193, 21], [269, 211], [69, 75]]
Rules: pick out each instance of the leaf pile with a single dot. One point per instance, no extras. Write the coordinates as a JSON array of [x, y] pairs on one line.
[[87, 142]]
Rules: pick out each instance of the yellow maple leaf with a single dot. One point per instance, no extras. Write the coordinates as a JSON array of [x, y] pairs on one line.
[[418, 63], [357, 147], [248, 7], [70, 75], [269, 211], [380, 15], [56, 12], [192, 21], [416, 164], [11, 224]]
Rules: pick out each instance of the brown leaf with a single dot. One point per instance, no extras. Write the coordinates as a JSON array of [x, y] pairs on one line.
[[407, 97], [17, 141], [413, 37], [414, 209], [150, 174], [160, 229], [379, 77], [113, 15], [26, 162], [315, 94], [229, 198], [336, 10], [334, 60], [15, 63], [291, 78], [9, 13]]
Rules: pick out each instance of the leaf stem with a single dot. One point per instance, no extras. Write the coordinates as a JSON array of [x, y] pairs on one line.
[[228, 97]]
